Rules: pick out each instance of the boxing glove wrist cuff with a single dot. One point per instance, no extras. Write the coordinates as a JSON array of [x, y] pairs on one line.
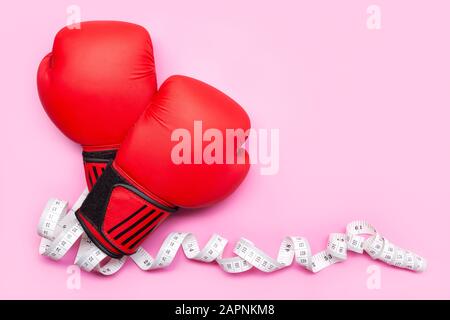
[[95, 163], [117, 216]]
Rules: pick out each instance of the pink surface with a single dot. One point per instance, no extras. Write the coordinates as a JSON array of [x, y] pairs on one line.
[[364, 129]]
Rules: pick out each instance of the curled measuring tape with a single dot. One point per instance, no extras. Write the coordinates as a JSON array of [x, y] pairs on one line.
[[60, 230]]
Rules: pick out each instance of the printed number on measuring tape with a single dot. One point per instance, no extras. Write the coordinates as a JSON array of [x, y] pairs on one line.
[[60, 230]]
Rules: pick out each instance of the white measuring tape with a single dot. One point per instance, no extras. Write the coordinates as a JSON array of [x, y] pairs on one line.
[[60, 230]]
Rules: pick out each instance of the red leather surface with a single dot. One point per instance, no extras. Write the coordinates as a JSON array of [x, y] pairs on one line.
[[127, 221], [93, 232], [145, 155], [93, 171], [97, 81], [129, 218]]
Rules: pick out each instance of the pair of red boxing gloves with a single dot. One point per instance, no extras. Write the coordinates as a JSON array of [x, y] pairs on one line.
[[98, 85]]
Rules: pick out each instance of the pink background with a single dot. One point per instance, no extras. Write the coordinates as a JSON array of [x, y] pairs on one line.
[[364, 127]]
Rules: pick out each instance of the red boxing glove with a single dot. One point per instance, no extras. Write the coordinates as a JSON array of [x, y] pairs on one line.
[[145, 183], [95, 84]]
